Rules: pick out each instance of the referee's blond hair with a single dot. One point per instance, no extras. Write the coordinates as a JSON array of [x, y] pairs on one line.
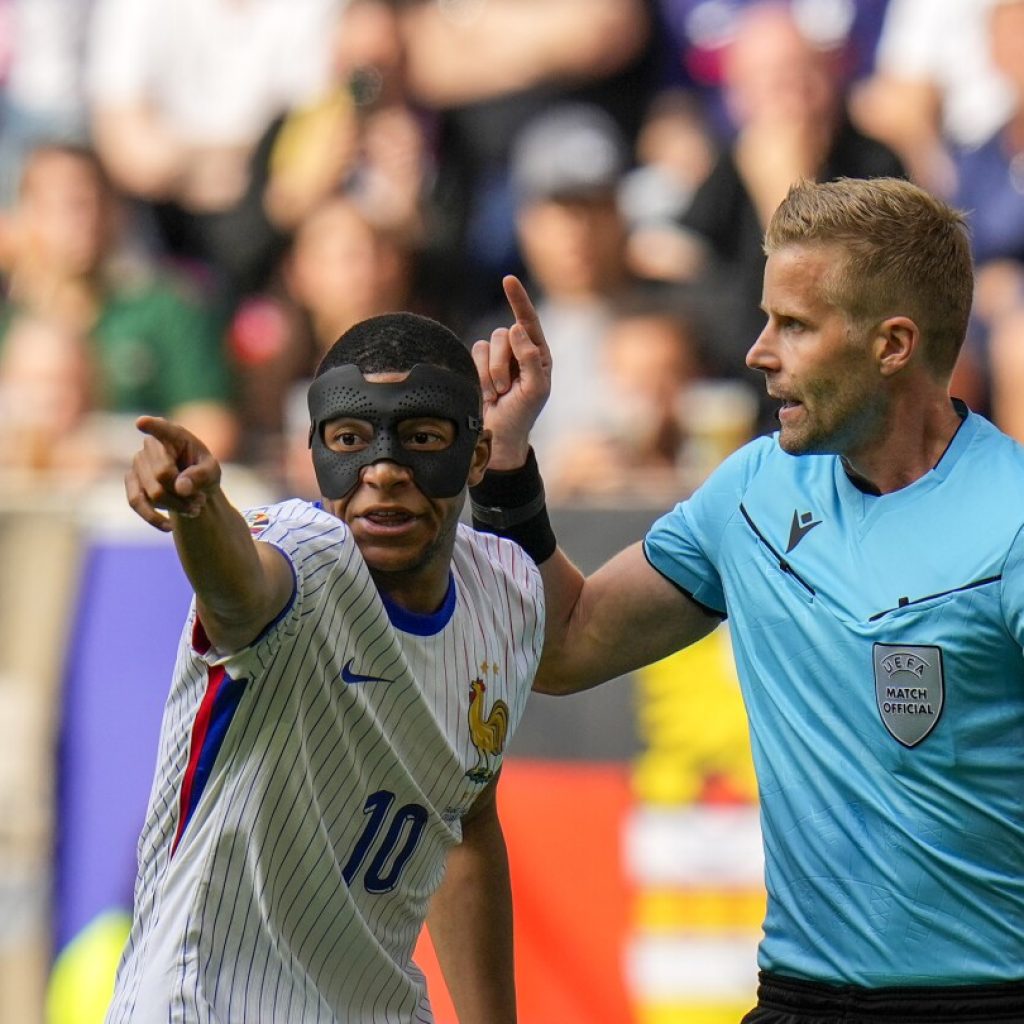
[[906, 253]]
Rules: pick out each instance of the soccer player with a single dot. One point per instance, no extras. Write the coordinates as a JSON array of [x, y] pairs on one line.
[[870, 558], [346, 682]]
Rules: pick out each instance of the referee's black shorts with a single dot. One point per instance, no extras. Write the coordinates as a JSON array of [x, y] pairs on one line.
[[783, 1000]]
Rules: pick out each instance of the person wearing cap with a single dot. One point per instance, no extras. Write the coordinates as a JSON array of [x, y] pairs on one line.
[[566, 169], [347, 679], [786, 98]]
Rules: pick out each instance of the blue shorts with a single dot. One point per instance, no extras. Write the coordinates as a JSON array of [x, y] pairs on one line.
[[782, 1000]]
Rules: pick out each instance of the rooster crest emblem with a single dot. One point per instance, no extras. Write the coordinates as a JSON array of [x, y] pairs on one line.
[[487, 732]]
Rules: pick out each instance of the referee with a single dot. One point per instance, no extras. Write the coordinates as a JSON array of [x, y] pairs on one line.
[[870, 558]]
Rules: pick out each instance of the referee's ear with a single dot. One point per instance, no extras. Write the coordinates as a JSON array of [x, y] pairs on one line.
[[897, 344]]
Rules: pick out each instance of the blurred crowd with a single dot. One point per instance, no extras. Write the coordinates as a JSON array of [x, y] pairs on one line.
[[197, 198]]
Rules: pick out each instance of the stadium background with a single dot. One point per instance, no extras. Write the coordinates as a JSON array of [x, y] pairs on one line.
[[629, 811]]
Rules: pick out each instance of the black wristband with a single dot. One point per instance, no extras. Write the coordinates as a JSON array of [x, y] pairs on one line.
[[510, 503]]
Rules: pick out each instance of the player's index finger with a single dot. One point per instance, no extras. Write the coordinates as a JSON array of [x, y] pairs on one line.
[[160, 429]]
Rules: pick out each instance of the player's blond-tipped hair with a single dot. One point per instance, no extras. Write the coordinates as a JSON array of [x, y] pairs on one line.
[[907, 253]]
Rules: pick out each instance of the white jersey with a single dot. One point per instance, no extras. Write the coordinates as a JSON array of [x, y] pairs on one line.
[[309, 787]]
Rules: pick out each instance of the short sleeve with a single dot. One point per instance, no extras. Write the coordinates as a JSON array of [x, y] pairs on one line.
[[318, 547], [685, 544]]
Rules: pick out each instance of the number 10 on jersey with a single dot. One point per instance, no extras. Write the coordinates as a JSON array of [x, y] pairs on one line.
[[394, 850]]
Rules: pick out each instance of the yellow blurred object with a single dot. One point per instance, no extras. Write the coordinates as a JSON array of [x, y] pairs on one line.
[[662, 911], [82, 980], [310, 156], [696, 770], [302, 132], [692, 1013], [691, 719]]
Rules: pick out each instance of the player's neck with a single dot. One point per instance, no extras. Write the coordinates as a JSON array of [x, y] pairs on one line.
[[910, 444], [421, 591]]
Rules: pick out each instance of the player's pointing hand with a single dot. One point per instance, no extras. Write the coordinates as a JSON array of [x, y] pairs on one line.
[[173, 470]]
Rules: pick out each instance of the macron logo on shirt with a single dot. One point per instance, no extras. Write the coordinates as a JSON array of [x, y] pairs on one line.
[[354, 677], [803, 523]]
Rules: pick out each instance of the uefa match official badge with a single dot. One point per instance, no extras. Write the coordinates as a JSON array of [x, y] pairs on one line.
[[910, 689]]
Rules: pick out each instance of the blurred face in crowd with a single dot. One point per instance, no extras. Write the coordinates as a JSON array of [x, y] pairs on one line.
[[650, 356], [45, 377], [574, 247], [63, 217], [675, 136], [773, 72], [650, 360], [343, 270]]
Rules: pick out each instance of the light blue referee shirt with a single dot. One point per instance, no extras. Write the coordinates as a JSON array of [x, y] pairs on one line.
[[878, 641]]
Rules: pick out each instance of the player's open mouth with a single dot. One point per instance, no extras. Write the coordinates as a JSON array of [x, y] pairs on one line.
[[386, 520]]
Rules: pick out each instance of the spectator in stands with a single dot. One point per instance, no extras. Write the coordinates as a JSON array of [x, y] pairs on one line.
[[935, 87], [991, 189], [566, 168], [341, 268], [786, 99], [155, 348], [43, 93], [675, 152], [47, 433], [364, 136], [697, 35], [487, 69], [632, 446], [186, 98], [990, 181]]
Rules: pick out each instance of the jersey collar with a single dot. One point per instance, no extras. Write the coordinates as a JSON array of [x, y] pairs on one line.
[[422, 623]]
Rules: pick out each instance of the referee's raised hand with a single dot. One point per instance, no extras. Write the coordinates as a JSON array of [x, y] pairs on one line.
[[173, 471]]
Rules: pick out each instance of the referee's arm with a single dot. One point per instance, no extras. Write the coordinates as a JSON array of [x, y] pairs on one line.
[[620, 618]]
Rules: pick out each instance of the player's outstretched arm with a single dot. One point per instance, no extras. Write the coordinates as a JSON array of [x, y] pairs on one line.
[[174, 485], [470, 920]]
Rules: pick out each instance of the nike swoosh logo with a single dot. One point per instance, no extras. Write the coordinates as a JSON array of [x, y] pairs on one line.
[[354, 677], [800, 527]]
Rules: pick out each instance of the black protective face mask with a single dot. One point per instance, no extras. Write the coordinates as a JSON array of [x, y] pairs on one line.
[[428, 391]]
